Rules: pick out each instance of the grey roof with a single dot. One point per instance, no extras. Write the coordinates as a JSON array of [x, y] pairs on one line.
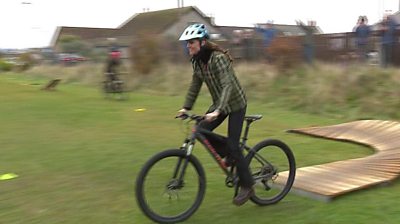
[[155, 22], [396, 16]]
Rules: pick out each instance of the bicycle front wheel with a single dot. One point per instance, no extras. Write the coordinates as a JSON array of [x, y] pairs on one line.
[[171, 186], [273, 167]]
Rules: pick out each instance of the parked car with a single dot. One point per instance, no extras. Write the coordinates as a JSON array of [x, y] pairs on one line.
[[69, 59]]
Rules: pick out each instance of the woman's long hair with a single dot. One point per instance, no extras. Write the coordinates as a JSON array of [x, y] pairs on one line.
[[215, 47]]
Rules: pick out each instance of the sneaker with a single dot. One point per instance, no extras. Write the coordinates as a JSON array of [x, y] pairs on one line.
[[243, 196]]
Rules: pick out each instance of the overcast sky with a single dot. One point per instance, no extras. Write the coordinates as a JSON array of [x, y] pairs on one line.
[[32, 23]]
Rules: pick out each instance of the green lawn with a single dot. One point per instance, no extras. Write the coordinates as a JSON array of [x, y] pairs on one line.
[[77, 156]]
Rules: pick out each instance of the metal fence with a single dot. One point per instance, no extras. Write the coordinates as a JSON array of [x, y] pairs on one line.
[[335, 48]]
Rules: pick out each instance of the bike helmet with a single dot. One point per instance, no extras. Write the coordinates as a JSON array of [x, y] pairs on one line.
[[197, 30]]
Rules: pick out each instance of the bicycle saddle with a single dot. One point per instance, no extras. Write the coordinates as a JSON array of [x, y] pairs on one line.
[[253, 117]]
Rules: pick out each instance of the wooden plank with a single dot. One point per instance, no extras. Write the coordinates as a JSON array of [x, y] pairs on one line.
[[332, 177], [337, 178]]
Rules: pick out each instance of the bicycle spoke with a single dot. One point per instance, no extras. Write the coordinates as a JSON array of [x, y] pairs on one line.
[[164, 195], [269, 160]]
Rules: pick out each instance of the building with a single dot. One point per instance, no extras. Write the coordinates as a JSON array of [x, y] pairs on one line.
[[168, 24]]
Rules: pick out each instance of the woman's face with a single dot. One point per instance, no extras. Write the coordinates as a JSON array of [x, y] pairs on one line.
[[193, 46]]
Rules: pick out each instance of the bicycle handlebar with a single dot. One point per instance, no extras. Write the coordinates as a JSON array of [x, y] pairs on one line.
[[192, 117]]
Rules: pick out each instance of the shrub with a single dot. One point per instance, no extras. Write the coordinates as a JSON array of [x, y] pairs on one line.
[[5, 66], [145, 53], [25, 62], [73, 44], [285, 53], [98, 55]]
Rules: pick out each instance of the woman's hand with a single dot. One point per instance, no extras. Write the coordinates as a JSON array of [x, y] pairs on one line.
[[212, 116], [181, 112]]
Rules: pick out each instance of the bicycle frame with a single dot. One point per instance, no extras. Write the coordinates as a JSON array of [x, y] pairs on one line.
[[197, 135], [168, 209]]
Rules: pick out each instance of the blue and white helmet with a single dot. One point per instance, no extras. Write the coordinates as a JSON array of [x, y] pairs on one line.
[[197, 30]]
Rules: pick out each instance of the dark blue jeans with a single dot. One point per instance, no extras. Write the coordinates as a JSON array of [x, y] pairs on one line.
[[308, 53], [387, 54], [235, 125]]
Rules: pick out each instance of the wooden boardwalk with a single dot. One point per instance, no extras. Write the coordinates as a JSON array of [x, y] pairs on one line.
[[330, 180]]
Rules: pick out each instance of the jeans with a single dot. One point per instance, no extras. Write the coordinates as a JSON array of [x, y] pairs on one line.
[[235, 125], [387, 55], [308, 53]]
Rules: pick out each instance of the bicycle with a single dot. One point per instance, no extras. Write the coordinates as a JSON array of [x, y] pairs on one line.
[[114, 87], [171, 185]]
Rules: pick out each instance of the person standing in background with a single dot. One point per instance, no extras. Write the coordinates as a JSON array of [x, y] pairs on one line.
[[308, 41], [362, 33], [268, 32], [388, 28]]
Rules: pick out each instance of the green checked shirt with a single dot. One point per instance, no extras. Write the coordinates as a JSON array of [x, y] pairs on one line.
[[219, 76]]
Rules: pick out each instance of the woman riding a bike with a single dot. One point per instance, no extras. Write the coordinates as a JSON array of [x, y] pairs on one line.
[[213, 65]]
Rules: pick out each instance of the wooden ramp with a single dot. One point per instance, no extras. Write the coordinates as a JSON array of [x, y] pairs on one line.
[[330, 180]]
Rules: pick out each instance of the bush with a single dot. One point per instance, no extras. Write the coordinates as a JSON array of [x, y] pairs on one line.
[[25, 62], [285, 53], [74, 45], [145, 53], [98, 55], [5, 66]]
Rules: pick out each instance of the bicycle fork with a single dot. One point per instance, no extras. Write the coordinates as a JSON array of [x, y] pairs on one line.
[[180, 168]]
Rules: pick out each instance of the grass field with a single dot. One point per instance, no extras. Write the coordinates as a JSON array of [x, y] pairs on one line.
[[77, 156]]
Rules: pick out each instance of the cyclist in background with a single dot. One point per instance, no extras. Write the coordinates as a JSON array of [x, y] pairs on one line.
[[213, 65], [112, 65]]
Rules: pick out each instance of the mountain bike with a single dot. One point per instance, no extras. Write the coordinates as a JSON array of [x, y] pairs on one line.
[[113, 87], [171, 185]]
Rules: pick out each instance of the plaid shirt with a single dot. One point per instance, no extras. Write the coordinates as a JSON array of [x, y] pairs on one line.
[[219, 76]]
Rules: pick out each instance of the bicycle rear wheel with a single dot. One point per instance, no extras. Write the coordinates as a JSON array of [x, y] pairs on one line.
[[170, 187], [106, 89], [273, 167], [120, 90]]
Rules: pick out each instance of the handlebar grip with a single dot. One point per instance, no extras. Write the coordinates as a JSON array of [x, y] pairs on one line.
[[182, 116]]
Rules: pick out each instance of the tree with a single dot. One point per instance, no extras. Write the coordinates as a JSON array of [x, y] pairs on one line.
[[74, 44]]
